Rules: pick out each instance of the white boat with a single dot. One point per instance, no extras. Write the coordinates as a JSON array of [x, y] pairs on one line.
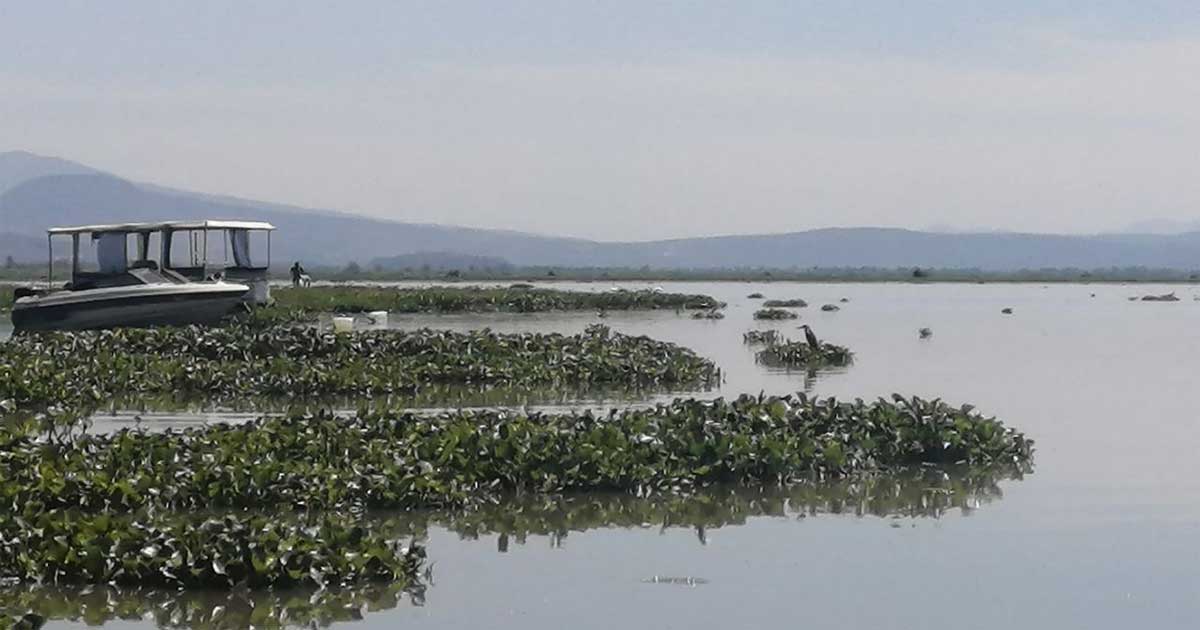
[[239, 262], [121, 293]]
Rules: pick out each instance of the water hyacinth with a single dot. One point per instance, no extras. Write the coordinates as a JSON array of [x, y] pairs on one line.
[[67, 546], [408, 460], [514, 299], [774, 313], [205, 608], [78, 370], [800, 354], [796, 303], [758, 337]]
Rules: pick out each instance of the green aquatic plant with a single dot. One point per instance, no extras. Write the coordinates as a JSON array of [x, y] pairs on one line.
[[758, 337], [70, 546], [78, 371], [800, 354], [443, 299], [206, 609], [796, 303], [410, 460], [774, 313]]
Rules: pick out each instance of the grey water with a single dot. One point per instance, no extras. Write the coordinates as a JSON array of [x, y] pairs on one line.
[[1103, 534]]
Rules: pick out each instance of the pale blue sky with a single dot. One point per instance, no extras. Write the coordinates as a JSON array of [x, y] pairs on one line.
[[631, 120]]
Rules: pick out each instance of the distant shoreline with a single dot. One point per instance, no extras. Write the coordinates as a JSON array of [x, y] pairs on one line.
[[28, 274]]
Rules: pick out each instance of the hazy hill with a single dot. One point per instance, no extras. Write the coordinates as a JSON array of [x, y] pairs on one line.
[[22, 166], [57, 192]]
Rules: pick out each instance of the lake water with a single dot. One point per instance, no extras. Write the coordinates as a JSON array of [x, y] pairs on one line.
[[1103, 534]]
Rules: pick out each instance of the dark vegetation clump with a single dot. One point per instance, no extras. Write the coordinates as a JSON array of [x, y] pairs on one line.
[[755, 337], [801, 354], [774, 314], [796, 303]]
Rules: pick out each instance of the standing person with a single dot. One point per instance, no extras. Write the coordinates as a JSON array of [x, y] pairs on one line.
[[297, 273]]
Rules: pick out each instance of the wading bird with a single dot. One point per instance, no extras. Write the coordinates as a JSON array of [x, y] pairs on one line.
[[811, 337]]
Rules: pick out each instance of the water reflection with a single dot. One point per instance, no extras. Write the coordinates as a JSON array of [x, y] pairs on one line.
[[164, 411], [209, 610], [926, 492]]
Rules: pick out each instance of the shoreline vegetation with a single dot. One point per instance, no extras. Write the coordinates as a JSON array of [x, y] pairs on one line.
[[23, 273]]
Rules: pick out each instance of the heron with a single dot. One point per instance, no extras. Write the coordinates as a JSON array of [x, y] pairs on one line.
[[811, 337]]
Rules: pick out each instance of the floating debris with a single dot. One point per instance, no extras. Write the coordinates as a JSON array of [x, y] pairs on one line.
[[754, 296], [676, 581], [714, 314], [925, 333], [829, 308], [1007, 311], [1165, 297]]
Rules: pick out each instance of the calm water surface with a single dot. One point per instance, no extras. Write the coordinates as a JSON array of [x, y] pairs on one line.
[[1102, 535]]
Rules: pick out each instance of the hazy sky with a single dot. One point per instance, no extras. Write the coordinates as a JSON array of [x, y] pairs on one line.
[[629, 120]]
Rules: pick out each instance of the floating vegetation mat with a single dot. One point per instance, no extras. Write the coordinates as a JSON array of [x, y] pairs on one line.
[[407, 460], [514, 299], [78, 371], [774, 313], [801, 354], [204, 608], [69, 546], [797, 303], [758, 337]]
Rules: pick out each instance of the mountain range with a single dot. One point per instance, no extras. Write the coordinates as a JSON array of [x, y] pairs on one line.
[[38, 192]]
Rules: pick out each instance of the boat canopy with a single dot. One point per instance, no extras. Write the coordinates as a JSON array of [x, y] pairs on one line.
[[112, 257], [158, 226]]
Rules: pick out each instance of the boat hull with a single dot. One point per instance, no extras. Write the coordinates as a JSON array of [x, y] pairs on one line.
[[168, 305]]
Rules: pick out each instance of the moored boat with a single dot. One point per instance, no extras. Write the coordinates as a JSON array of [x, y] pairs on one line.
[[120, 292]]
